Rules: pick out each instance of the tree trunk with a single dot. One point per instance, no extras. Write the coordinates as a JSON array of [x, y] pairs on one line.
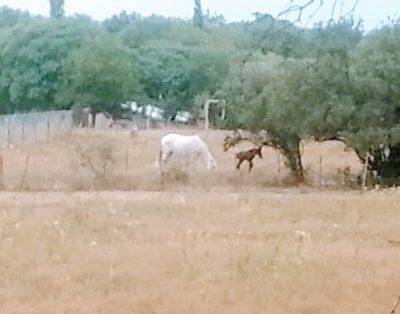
[[289, 144], [300, 170], [295, 163], [290, 148], [93, 114]]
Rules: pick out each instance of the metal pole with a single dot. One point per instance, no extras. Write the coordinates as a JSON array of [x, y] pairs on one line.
[[223, 113]]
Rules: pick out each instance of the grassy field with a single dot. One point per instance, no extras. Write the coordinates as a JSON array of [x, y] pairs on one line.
[[112, 161], [86, 228]]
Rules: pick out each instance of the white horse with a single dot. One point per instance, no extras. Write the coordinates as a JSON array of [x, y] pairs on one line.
[[189, 147]]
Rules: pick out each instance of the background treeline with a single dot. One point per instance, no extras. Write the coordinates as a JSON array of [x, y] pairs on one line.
[[331, 81]]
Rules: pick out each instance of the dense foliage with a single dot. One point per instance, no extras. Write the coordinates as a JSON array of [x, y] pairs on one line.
[[331, 81]]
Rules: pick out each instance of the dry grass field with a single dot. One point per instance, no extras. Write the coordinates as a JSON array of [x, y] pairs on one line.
[[112, 161], [85, 227]]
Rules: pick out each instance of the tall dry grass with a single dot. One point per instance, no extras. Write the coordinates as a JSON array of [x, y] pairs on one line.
[[199, 252], [102, 161], [224, 242]]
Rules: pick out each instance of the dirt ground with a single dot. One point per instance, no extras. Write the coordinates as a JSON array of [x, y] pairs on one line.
[[85, 227]]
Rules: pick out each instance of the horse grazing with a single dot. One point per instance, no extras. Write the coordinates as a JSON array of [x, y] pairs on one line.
[[189, 147], [249, 156]]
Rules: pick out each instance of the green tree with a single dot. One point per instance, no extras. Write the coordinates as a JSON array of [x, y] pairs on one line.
[[375, 73], [163, 67], [101, 73], [57, 9], [31, 62], [198, 20], [10, 17], [309, 96], [213, 20], [118, 22], [179, 72], [138, 31], [261, 94]]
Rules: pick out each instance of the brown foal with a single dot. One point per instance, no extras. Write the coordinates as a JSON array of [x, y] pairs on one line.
[[249, 156]]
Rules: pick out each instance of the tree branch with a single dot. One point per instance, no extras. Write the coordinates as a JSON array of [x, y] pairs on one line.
[[353, 8], [333, 9], [299, 9]]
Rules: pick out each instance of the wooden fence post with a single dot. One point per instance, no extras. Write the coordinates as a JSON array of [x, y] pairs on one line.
[[23, 129], [207, 112], [61, 124], [320, 172], [1, 171], [80, 176], [34, 126], [364, 178], [8, 132], [127, 160], [48, 129], [279, 166], [206, 115], [25, 171]]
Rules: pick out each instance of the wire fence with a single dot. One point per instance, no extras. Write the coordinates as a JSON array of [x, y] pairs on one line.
[[33, 126]]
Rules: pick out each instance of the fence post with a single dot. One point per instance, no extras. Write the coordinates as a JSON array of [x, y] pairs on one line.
[[279, 166], [23, 129], [60, 125], [8, 132], [364, 178], [24, 173], [206, 115], [34, 127], [207, 112], [80, 176], [320, 172], [127, 160], [48, 128], [223, 112], [1, 171]]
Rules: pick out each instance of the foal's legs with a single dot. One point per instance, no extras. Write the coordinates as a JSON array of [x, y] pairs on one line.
[[250, 164], [239, 163]]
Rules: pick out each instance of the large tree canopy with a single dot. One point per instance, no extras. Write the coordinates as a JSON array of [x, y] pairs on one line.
[[102, 76], [32, 56]]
